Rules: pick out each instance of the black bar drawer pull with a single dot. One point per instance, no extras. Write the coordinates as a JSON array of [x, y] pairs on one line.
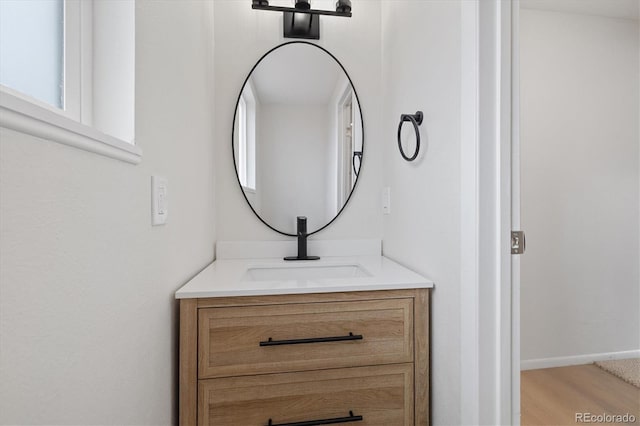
[[272, 342], [333, 421]]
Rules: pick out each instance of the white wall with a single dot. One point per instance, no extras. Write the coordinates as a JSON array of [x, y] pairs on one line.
[[421, 71], [293, 165], [242, 36], [88, 325], [580, 174]]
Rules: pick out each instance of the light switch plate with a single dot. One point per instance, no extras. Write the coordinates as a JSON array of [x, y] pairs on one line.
[[159, 200]]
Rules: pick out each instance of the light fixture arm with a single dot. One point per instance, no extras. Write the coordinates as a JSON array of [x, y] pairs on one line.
[[308, 11]]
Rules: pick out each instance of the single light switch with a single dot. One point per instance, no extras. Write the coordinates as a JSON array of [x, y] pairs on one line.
[[162, 200], [159, 202], [386, 200]]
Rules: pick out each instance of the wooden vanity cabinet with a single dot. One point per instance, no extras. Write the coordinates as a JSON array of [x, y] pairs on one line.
[[357, 357]]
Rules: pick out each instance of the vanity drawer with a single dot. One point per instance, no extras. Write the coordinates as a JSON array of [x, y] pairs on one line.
[[235, 341], [382, 395]]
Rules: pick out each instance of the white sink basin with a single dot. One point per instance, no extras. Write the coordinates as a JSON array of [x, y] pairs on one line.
[[297, 273]]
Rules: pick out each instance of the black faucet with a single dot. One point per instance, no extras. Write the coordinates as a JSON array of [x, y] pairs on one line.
[[302, 242]]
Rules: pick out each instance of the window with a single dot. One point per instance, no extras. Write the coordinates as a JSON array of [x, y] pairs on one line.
[[67, 73], [32, 48], [247, 139]]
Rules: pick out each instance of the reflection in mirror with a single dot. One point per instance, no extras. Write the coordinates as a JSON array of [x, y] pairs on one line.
[[297, 137]]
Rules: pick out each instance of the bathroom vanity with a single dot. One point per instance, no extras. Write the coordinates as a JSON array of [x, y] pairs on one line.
[[339, 340], [270, 342]]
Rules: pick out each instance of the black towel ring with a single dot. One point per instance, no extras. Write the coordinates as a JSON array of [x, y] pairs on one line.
[[416, 120], [358, 155]]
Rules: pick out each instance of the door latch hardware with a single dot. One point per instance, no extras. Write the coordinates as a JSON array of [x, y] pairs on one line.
[[518, 244]]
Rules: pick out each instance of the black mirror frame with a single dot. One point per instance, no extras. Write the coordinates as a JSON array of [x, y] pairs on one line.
[[235, 112]]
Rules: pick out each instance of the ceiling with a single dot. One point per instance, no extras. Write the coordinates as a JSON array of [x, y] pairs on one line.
[[628, 9], [296, 74]]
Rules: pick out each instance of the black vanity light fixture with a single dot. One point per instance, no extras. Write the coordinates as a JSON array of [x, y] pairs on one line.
[[301, 21]]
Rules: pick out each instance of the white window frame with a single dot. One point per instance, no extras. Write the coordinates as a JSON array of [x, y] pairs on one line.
[[247, 139], [346, 177], [71, 125], [242, 142]]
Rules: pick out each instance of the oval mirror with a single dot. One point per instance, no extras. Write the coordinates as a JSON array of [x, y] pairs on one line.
[[297, 137]]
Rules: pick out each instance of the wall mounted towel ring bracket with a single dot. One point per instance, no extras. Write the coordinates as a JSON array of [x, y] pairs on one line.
[[358, 155], [416, 120]]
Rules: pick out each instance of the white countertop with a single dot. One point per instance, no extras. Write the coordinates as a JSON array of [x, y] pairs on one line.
[[229, 277]]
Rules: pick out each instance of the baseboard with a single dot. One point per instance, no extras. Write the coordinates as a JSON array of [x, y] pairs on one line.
[[563, 361]]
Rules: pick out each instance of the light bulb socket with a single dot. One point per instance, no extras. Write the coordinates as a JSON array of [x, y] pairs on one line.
[[343, 6], [303, 5]]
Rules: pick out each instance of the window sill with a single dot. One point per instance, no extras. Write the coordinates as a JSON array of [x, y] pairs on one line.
[[28, 117]]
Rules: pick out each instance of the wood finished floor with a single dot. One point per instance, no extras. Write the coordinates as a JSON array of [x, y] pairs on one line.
[[552, 396]]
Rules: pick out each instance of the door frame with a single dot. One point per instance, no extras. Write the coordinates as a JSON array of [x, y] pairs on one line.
[[346, 176], [515, 210], [490, 370]]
